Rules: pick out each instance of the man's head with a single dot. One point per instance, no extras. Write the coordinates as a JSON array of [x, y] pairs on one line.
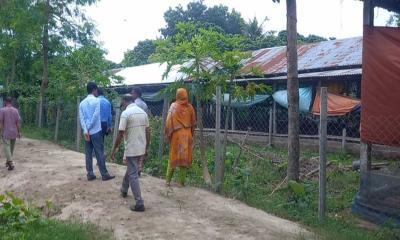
[[8, 101], [136, 93], [127, 99], [92, 88], [100, 91]]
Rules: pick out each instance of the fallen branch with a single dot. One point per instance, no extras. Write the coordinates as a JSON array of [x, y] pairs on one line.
[[314, 171], [247, 149], [278, 186], [241, 146]]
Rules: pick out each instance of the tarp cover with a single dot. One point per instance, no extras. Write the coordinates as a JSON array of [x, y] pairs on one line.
[[380, 86], [305, 95], [235, 103], [337, 105]]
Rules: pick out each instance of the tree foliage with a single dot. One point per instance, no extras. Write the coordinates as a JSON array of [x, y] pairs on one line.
[[394, 20], [218, 17], [140, 54], [73, 57]]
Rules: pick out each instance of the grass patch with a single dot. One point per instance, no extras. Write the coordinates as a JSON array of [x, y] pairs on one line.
[[52, 229], [21, 222], [256, 179]]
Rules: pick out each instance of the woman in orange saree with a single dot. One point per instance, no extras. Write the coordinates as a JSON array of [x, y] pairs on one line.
[[179, 129]]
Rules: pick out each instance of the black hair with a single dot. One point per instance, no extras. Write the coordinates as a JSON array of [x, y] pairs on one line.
[[127, 98], [91, 86], [100, 91], [137, 90], [8, 100]]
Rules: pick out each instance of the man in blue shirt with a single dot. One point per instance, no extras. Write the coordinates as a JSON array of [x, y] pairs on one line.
[[105, 114], [89, 114]]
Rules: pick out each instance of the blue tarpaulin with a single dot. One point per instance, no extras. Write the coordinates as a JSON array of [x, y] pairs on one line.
[[305, 95], [236, 103]]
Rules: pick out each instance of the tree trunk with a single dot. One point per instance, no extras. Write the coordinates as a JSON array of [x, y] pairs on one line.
[[45, 79], [293, 92], [206, 173], [225, 142]]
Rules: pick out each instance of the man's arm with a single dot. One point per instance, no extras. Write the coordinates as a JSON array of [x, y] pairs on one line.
[[122, 127], [82, 120], [19, 125], [117, 143], [96, 116], [109, 122], [147, 140]]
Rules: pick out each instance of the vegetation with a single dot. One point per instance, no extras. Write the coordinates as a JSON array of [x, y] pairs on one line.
[[256, 179], [48, 52], [22, 222], [220, 17]]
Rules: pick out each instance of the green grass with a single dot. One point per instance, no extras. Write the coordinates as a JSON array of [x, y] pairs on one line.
[[256, 179], [54, 230]]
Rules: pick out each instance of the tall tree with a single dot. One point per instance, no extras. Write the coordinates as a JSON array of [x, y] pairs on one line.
[[394, 20], [140, 54], [230, 22], [61, 19], [191, 47], [293, 92]]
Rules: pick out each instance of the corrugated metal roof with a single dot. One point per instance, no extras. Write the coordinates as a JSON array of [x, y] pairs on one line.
[[332, 73], [272, 61], [328, 54]]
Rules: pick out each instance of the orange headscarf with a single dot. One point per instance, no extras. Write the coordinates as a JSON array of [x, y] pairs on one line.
[[181, 113]]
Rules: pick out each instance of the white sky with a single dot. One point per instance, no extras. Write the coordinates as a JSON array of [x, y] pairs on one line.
[[122, 23]]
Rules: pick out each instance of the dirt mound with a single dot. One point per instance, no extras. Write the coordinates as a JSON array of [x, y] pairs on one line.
[[46, 172]]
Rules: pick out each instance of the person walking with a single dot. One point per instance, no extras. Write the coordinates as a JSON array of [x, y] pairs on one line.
[[179, 130], [89, 114], [137, 98], [10, 129], [134, 128], [105, 114]]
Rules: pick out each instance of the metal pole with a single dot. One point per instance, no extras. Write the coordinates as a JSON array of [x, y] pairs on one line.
[[322, 154], [218, 160], [270, 130], [78, 125], [344, 133], [164, 118]]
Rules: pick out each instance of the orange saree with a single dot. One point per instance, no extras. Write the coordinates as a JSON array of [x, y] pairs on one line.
[[179, 129]]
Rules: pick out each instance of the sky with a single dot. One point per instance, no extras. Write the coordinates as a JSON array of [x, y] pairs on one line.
[[122, 23]]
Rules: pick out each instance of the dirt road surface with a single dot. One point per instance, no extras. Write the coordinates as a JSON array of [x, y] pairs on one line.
[[47, 172]]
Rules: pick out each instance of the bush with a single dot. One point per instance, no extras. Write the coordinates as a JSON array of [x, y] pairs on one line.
[[21, 222]]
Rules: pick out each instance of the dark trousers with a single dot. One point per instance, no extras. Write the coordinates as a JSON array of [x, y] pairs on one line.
[[104, 129], [131, 179], [96, 143]]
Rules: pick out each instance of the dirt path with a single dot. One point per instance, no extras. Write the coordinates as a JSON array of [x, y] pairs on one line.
[[45, 171]]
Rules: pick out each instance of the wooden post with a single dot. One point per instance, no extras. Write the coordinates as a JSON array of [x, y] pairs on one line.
[[368, 13], [164, 118], [322, 154], [78, 125], [57, 123], [218, 160], [233, 122], [344, 133], [116, 122], [270, 130], [274, 123]]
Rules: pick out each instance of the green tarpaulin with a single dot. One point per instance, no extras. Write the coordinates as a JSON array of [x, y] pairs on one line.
[[235, 103]]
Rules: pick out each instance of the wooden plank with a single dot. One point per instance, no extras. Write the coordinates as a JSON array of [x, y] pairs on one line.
[[78, 126], [218, 158], [58, 113], [162, 131], [322, 154], [270, 127]]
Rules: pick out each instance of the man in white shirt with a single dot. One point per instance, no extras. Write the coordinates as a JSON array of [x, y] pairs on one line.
[[136, 93], [134, 128]]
